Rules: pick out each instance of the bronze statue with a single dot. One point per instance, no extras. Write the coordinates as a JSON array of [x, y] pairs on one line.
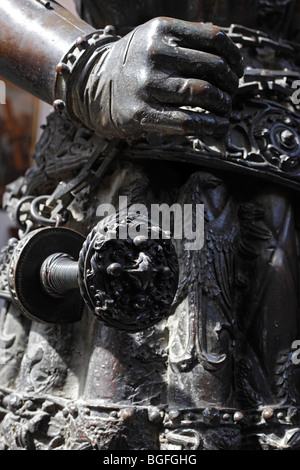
[[163, 109]]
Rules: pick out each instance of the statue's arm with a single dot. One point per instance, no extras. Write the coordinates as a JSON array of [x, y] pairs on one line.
[[147, 81], [33, 39]]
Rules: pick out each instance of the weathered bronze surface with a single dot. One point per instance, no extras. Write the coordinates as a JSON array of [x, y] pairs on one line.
[[159, 110], [29, 58]]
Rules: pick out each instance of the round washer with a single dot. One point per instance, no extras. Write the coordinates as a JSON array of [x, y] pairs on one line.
[[24, 276]]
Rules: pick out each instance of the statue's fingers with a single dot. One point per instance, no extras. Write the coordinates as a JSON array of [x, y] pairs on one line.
[[203, 37], [191, 92], [197, 64], [175, 121]]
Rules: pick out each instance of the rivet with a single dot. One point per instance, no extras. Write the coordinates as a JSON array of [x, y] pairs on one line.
[[226, 416], [154, 415], [127, 413], [114, 269], [59, 105], [268, 413], [81, 41], [110, 30], [288, 137], [140, 240], [173, 414], [29, 405], [62, 69], [238, 416], [71, 57], [73, 410]]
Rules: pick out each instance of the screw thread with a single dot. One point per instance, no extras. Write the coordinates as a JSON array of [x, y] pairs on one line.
[[59, 274]]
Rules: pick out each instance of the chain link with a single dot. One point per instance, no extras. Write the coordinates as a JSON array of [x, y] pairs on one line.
[[52, 210]]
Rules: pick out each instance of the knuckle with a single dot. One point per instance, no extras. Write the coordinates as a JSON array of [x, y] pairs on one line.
[[223, 67], [221, 99], [186, 88], [217, 31], [221, 39], [139, 112], [223, 43], [147, 85], [159, 24], [156, 29], [220, 33], [227, 100], [147, 89], [234, 80], [155, 52], [225, 103], [192, 90]]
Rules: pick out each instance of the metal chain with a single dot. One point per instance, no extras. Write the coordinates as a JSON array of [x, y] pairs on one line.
[[255, 38], [52, 210]]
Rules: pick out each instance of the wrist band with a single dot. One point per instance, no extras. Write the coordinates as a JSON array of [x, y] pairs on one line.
[[71, 66]]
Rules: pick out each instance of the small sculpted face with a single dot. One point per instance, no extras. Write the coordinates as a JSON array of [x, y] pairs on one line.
[[213, 194]]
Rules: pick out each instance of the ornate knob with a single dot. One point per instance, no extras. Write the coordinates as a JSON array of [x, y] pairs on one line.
[[129, 283]]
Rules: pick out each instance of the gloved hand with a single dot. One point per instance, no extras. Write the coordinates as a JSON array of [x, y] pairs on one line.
[[144, 79]]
